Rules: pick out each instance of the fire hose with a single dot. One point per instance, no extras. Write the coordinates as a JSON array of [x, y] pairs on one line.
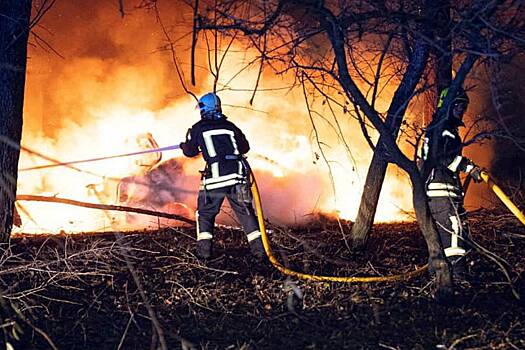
[[319, 278], [502, 196], [358, 279]]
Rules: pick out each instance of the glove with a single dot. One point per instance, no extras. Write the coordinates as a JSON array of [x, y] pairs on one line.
[[182, 145], [475, 173]]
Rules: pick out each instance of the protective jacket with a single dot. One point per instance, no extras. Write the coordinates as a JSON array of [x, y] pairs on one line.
[[222, 145], [443, 162]]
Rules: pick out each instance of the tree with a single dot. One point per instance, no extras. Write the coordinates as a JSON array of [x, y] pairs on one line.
[[14, 33], [323, 41], [346, 28], [483, 31], [442, 54]]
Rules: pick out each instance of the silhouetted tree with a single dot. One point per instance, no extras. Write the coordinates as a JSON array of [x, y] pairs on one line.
[[472, 31], [354, 49], [14, 32], [343, 32]]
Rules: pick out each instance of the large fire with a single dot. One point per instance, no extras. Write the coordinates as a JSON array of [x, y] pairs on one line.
[[104, 98]]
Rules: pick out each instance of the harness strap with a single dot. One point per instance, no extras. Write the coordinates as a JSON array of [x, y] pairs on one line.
[[225, 157]]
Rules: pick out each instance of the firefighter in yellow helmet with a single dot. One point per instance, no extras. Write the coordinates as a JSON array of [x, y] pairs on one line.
[[442, 163]]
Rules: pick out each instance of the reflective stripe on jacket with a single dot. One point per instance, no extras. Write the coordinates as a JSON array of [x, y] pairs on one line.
[[222, 145]]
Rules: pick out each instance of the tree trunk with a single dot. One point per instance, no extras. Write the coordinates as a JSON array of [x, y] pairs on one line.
[[377, 170], [438, 264], [370, 197], [443, 49], [14, 32], [378, 165]]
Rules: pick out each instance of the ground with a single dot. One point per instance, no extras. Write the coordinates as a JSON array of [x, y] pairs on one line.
[[115, 291]]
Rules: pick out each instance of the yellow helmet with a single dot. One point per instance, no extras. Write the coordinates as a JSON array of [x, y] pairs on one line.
[[461, 96]]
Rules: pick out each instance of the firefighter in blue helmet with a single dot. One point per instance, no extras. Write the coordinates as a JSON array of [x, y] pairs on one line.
[[442, 163], [226, 175]]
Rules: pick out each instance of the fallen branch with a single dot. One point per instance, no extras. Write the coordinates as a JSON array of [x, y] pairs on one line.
[[27, 197]]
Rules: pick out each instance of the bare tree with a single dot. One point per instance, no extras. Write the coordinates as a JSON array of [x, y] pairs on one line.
[[480, 31], [14, 32], [325, 43], [439, 50], [343, 33]]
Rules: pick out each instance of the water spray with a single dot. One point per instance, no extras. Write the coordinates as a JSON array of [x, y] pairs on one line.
[[154, 150]]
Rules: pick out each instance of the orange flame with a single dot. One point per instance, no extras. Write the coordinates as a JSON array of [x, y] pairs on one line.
[[91, 106]]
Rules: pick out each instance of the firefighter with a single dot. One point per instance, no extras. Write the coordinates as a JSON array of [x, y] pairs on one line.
[[442, 164], [223, 146]]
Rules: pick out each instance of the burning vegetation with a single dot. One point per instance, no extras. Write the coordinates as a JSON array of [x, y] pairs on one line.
[[336, 98], [115, 88]]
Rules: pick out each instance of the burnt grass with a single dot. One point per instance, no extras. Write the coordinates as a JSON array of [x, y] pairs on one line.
[[114, 291]]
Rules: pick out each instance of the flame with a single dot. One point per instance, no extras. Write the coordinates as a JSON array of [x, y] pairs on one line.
[[94, 106]]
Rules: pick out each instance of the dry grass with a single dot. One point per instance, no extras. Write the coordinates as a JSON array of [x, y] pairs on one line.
[[148, 291]]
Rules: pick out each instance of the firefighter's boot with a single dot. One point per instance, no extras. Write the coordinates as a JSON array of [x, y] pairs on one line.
[[257, 249], [204, 249], [459, 267]]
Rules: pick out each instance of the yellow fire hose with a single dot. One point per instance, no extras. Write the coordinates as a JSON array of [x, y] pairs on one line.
[[305, 276], [348, 279], [502, 196]]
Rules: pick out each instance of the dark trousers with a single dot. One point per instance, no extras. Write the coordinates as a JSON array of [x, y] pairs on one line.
[[450, 217], [209, 204]]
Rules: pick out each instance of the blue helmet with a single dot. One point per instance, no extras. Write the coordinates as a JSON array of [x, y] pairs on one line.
[[210, 106]]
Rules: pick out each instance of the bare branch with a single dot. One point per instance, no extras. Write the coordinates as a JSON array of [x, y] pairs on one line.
[[23, 197], [171, 45]]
